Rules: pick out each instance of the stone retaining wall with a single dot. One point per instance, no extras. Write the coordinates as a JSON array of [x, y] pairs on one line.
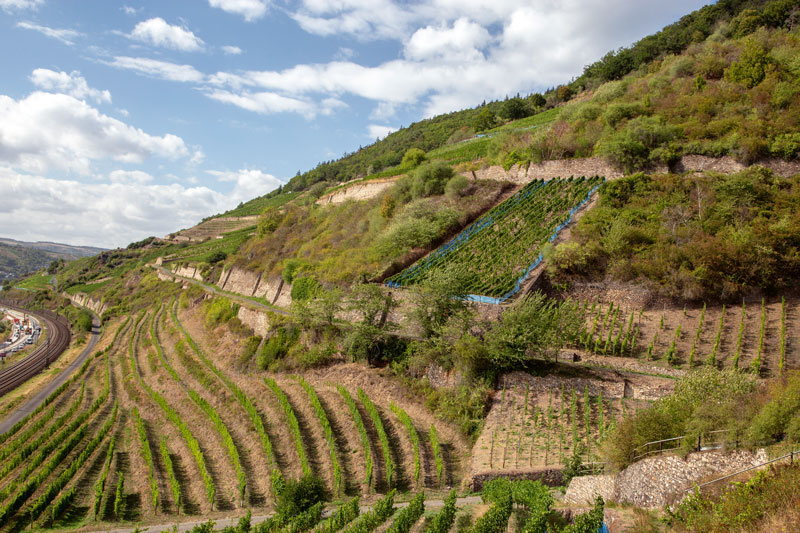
[[191, 272], [659, 481], [255, 320], [84, 300], [250, 284]]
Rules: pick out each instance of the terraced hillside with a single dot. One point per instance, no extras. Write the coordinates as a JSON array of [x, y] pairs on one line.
[[157, 423], [498, 251]]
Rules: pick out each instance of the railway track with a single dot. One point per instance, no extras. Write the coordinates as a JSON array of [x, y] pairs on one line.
[[57, 341]]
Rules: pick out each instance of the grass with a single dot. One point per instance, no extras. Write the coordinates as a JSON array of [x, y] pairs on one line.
[[36, 282], [257, 205], [88, 288]]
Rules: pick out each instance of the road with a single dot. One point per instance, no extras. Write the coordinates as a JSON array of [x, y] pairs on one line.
[[34, 402], [220, 523]]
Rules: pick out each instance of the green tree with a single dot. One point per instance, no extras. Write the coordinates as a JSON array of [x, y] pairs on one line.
[[436, 299], [413, 158], [751, 67], [484, 120], [515, 108], [537, 100], [535, 328], [430, 179], [269, 220]]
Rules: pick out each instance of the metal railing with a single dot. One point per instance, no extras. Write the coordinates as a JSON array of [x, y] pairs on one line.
[[791, 455], [709, 440]]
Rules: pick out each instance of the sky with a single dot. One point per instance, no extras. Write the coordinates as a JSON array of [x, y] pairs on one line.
[[121, 120]]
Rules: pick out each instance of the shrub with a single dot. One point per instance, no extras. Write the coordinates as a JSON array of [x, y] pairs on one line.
[[413, 158], [304, 289], [484, 120], [269, 220], [300, 495], [750, 69], [515, 108], [456, 187], [430, 179], [616, 113]]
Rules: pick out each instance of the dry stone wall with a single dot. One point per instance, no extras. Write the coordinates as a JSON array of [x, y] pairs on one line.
[[255, 320], [191, 272], [250, 284], [659, 481], [84, 300]]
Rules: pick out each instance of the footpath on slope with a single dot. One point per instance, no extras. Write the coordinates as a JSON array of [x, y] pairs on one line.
[[212, 289], [231, 521], [22, 411]]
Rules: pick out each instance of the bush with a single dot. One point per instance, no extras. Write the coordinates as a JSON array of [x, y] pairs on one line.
[[484, 120], [269, 220], [616, 113], [300, 495], [782, 413], [304, 289], [515, 108], [750, 69], [430, 179], [413, 158], [456, 186], [216, 257]]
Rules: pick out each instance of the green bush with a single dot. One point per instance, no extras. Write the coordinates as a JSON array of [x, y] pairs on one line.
[[300, 495], [774, 420], [304, 289], [430, 179], [413, 158], [456, 187], [751, 67]]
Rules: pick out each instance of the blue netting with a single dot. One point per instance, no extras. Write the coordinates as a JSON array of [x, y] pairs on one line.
[[536, 263]]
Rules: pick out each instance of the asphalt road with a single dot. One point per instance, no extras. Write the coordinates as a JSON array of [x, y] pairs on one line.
[[19, 413]]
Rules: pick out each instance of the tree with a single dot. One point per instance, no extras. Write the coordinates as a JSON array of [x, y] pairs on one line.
[[269, 220], [413, 157], [299, 496], [515, 108], [484, 120], [535, 328], [537, 100], [430, 179], [751, 67], [436, 299]]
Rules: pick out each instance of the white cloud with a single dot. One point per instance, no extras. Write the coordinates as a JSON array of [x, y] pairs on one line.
[[377, 131], [158, 69], [461, 43], [8, 5], [158, 32], [129, 176], [127, 208], [232, 50], [248, 183], [72, 84], [250, 9], [128, 10], [264, 102], [63, 35], [362, 19], [56, 131]]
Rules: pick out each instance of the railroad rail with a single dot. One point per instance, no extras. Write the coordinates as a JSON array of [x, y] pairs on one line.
[[57, 341]]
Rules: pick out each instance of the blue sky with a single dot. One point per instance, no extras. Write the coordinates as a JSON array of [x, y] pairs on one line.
[[123, 120]]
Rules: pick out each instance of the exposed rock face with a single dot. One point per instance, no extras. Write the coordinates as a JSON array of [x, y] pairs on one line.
[[357, 191], [255, 320], [248, 283], [191, 272], [84, 300]]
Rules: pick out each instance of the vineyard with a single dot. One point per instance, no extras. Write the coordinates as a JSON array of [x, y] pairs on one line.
[[759, 336], [156, 424], [536, 424], [498, 251]]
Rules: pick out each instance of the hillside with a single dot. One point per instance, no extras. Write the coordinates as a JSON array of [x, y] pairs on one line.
[[18, 258], [517, 301]]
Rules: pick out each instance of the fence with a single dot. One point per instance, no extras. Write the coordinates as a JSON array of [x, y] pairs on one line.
[[791, 455], [706, 441]]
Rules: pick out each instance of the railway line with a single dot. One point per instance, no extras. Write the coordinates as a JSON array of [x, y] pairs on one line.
[[41, 357]]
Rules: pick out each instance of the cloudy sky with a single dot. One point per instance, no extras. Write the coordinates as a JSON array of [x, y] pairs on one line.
[[123, 120]]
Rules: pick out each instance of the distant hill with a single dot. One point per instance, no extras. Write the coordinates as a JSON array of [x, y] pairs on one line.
[[19, 257]]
